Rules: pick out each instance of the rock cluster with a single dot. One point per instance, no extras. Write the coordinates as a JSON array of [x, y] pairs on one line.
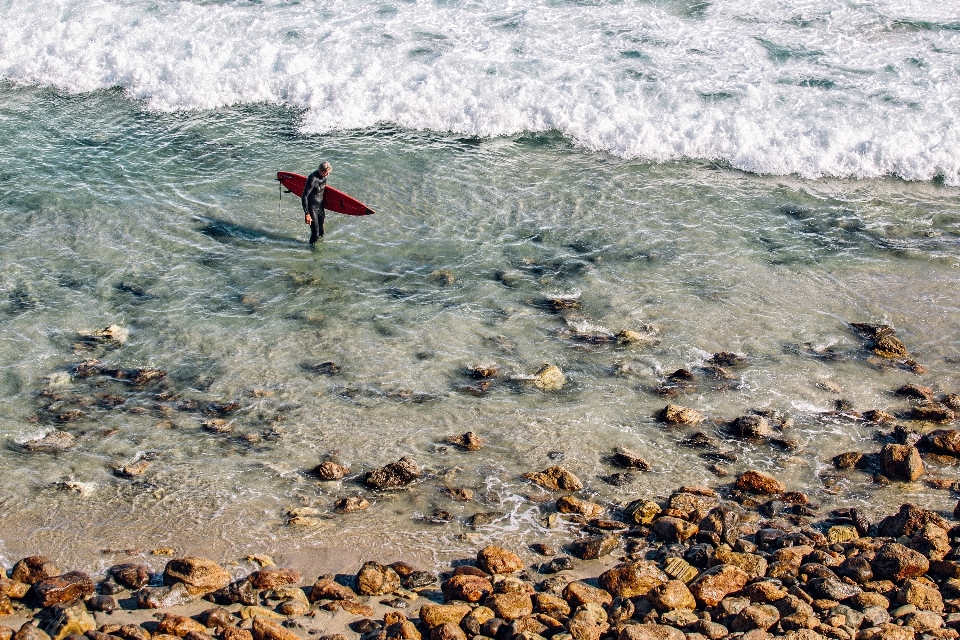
[[742, 562]]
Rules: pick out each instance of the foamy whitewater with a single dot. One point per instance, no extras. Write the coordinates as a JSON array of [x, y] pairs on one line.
[[817, 88], [748, 177]]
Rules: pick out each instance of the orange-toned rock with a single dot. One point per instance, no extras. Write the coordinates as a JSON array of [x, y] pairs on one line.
[[632, 579], [759, 482], [198, 575], [716, 583], [494, 559], [273, 577]]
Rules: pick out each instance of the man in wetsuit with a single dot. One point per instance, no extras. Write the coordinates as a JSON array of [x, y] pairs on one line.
[[312, 200]]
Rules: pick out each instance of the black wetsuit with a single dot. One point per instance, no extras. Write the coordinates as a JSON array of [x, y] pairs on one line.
[[312, 201]]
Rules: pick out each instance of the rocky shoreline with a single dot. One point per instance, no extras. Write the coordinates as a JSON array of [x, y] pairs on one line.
[[745, 561]]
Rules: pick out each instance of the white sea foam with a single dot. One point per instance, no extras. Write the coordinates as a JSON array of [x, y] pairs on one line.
[[815, 88]]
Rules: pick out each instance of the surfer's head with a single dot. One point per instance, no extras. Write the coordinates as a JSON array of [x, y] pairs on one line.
[[324, 168]]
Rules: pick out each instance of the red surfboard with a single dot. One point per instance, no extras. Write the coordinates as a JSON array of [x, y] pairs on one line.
[[333, 199]]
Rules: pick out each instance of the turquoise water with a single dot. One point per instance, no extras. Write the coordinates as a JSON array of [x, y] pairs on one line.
[[171, 226]]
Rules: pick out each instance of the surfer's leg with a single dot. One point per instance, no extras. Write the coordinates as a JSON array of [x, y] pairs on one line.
[[323, 215], [316, 226]]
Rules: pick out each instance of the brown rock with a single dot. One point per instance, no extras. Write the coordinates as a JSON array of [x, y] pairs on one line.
[[132, 632], [550, 604], [756, 616], [758, 482], [469, 441], [234, 633], [356, 608], [13, 588], [627, 458], [328, 589], [30, 632], [932, 541], [943, 441], [848, 460], [198, 575], [216, 617], [510, 606], [352, 504], [642, 511], [555, 478], [266, 629], [670, 529], [447, 631], [63, 588], [434, 615], [131, 575], [922, 595], [632, 579], [175, 625], [915, 391], [752, 427], [901, 462], [886, 631], [932, 412], [671, 595], [162, 597], [889, 347], [494, 560], [273, 577], [571, 504], [579, 593], [584, 629], [753, 565], [65, 619], [593, 547], [909, 520], [393, 476], [34, 569], [466, 588], [330, 470], [375, 579], [675, 414], [716, 583], [649, 631], [893, 561]]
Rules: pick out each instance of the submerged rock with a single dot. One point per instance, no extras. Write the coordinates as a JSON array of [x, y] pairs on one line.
[[393, 476], [329, 470], [675, 414], [52, 442], [555, 478], [759, 482], [630, 460], [549, 378], [469, 441]]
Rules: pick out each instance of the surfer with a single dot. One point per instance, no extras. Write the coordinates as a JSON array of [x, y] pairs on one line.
[[312, 200]]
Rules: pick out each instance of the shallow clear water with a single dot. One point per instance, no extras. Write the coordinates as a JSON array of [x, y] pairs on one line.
[[168, 224]]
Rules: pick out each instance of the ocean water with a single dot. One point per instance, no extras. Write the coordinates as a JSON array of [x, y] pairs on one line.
[[744, 177]]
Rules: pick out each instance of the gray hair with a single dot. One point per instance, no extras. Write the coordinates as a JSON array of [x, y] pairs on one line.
[[325, 167]]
